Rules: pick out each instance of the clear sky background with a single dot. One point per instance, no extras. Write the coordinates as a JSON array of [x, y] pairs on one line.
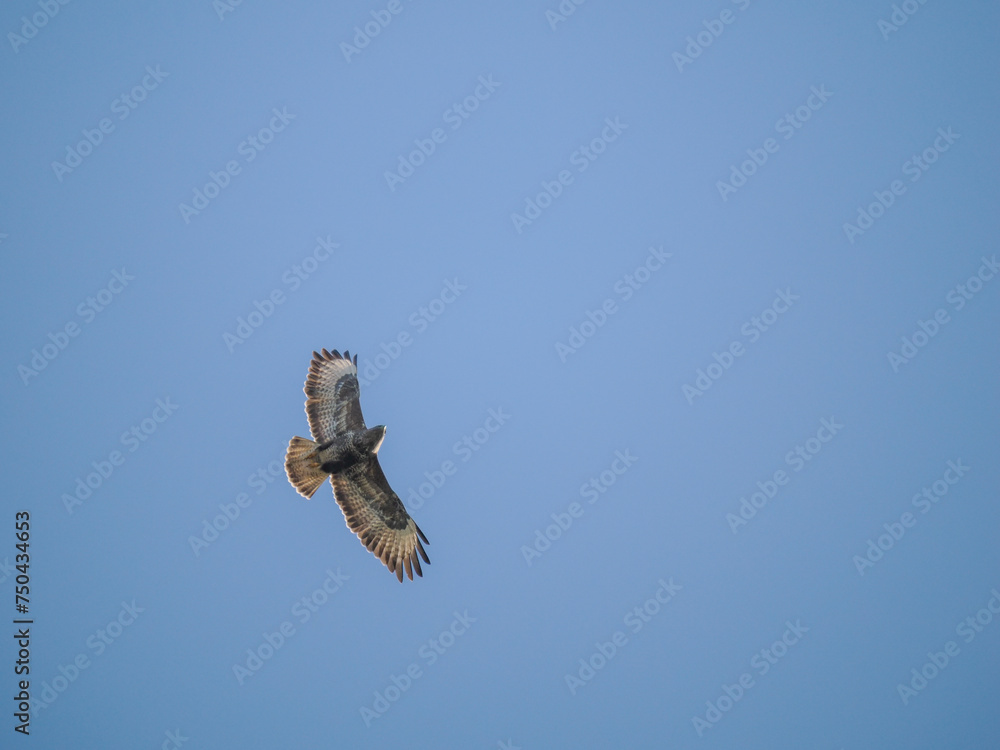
[[750, 248]]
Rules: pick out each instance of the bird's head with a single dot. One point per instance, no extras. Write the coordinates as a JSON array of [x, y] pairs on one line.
[[374, 437]]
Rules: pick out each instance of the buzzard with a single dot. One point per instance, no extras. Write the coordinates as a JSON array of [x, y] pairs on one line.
[[346, 451]]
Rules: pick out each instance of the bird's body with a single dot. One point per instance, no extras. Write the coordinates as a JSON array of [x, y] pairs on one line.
[[346, 451]]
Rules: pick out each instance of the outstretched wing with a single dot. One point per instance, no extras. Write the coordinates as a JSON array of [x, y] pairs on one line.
[[333, 406], [375, 513]]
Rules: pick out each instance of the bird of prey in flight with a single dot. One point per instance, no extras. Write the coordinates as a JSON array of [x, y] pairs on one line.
[[346, 451]]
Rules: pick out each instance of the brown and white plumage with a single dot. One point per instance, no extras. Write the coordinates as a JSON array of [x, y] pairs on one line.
[[345, 450], [333, 406]]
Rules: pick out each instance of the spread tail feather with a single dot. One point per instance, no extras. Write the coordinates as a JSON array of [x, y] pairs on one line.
[[302, 466]]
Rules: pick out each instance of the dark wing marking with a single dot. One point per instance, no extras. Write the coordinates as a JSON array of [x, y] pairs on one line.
[[333, 406], [375, 513]]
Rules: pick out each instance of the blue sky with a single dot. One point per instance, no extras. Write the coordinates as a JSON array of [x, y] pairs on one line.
[[682, 321]]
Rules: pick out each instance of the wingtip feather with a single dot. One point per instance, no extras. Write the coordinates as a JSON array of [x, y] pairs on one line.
[[420, 533], [423, 554]]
